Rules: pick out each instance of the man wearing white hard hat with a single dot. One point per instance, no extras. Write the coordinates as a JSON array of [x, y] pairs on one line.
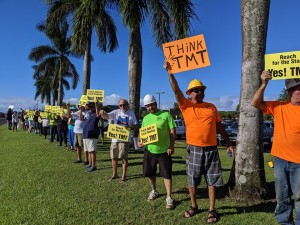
[[202, 122], [159, 152], [285, 147]]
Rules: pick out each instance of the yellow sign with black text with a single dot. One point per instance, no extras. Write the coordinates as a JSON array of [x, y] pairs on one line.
[[148, 134], [92, 95], [285, 65], [118, 132]]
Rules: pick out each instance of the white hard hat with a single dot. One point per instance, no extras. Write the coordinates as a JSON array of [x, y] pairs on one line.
[[148, 99], [289, 83]]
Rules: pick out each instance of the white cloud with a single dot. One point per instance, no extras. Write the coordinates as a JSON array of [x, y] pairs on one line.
[[19, 102], [225, 103], [112, 99]]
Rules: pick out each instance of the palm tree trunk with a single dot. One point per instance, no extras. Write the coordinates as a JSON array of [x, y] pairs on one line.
[[87, 67], [249, 182], [60, 87], [135, 55]]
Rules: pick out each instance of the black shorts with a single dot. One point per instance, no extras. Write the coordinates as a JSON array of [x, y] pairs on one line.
[[150, 165]]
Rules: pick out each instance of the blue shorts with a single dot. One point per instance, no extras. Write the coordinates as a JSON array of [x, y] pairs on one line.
[[203, 161]]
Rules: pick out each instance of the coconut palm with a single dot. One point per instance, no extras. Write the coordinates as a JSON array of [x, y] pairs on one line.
[[169, 20], [86, 15], [53, 59], [248, 180]]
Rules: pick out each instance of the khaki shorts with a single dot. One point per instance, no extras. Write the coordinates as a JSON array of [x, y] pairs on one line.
[[78, 140], [90, 145], [119, 150]]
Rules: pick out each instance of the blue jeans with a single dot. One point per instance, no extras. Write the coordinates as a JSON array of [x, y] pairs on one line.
[[71, 138], [287, 184]]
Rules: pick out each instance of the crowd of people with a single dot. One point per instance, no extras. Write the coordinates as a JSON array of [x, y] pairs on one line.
[[81, 128]]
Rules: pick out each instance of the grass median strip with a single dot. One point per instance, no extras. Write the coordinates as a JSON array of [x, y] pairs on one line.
[[40, 184]]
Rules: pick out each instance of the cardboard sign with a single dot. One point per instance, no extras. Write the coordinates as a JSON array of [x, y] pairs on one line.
[[186, 54], [56, 110], [285, 65], [94, 95], [148, 134], [118, 132], [43, 115], [48, 108]]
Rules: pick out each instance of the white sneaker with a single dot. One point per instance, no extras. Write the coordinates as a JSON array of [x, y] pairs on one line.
[[152, 195], [169, 202]]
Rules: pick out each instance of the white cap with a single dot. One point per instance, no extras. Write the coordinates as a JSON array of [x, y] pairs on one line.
[[291, 83], [148, 99]]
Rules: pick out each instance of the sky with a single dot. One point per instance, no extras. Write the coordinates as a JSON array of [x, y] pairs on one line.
[[219, 22]]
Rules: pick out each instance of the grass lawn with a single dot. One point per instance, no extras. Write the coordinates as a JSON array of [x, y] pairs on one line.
[[40, 184]]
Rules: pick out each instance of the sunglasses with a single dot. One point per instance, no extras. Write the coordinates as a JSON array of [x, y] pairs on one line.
[[197, 90], [122, 105]]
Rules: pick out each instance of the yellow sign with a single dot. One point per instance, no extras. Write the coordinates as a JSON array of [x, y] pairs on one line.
[[92, 95], [84, 98], [148, 134], [186, 54], [56, 110], [48, 108], [285, 65], [118, 132], [43, 114]]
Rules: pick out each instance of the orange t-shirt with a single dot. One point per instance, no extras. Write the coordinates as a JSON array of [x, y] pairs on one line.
[[200, 121], [286, 141]]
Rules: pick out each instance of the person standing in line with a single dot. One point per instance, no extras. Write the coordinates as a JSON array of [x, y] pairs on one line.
[[159, 152], [62, 129], [36, 121], [45, 125], [53, 128], [9, 118], [71, 122], [15, 120], [78, 135], [119, 149], [202, 122], [285, 147], [91, 134]]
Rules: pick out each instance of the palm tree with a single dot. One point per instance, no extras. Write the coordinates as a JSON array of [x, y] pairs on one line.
[[249, 182], [86, 15], [53, 60], [165, 16]]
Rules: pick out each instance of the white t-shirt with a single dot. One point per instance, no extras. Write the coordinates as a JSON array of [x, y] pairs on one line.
[[78, 126], [122, 119]]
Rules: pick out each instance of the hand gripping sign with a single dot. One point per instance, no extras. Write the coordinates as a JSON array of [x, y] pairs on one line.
[[148, 134], [285, 65], [186, 54]]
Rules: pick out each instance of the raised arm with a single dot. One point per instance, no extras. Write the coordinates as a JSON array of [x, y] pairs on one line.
[[257, 100], [178, 93]]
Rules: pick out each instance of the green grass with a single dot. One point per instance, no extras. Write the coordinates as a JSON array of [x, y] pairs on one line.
[[40, 184]]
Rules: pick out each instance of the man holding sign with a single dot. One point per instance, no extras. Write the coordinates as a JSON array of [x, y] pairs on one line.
[[285, 147], [159, 152], [202, 122], [119, 149]]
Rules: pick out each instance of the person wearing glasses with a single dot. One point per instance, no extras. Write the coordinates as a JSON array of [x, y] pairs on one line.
[[202, 122], [119, 149], [285, 147]]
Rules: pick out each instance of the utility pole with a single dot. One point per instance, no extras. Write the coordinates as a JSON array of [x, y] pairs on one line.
[[159, 93]]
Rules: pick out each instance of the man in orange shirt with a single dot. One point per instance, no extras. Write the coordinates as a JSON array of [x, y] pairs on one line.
[[202, 122], [285, 146]]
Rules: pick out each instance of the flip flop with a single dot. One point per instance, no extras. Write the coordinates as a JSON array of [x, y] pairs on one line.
[[122, 181], [112, 178]]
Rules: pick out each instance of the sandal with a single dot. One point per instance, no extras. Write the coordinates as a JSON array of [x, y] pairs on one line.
[[122, 181], [213, 216], [191, 212], [112, 178]]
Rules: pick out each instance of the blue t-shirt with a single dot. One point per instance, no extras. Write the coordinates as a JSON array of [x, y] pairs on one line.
[[90, 127]]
